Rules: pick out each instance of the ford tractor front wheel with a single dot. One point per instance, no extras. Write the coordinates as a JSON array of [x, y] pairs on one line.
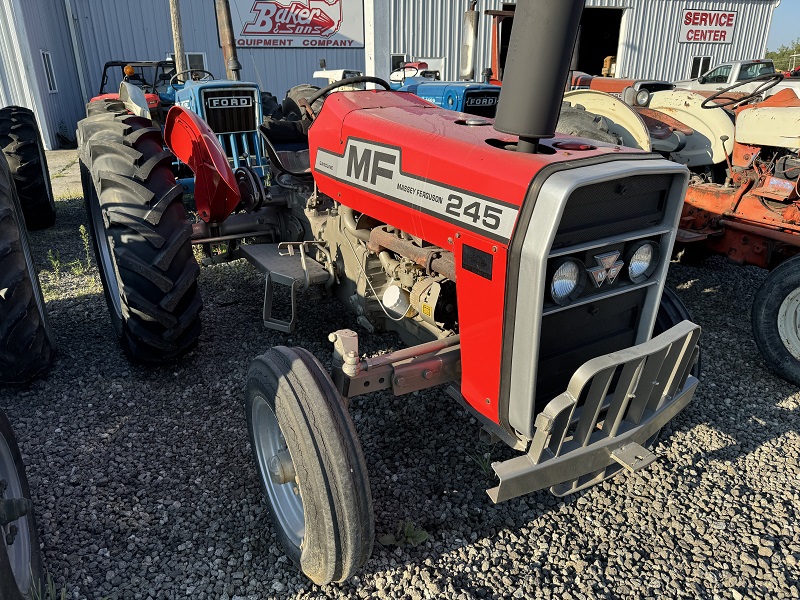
[[141, 236]]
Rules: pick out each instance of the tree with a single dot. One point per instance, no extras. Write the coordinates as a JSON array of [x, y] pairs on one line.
[[782, 56]]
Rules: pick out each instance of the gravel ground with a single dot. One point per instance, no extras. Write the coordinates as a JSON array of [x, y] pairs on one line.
[[144, 486]]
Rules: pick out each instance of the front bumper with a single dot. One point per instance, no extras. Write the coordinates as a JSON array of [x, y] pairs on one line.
[[575, 447]]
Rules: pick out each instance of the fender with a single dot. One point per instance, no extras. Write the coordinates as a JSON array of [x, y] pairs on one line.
[[192, 141], [623, 119], [134, 99]]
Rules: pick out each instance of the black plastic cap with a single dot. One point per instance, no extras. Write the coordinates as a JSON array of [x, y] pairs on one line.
[[537, 67]]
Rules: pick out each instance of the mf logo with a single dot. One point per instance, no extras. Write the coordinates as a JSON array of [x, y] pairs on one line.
[[366, 164], [318, 18], [232, 102]]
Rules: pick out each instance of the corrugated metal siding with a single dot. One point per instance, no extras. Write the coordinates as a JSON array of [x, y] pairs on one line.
[[12, 73], [61, 109], [432, 28], [649, 46], [141, 31]]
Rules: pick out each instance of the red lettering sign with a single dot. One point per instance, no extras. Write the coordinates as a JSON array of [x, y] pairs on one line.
[[299, 18], [713, 26]]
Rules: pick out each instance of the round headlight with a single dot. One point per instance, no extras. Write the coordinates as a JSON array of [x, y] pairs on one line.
[[567, 282], [642, 261], [642, 97]]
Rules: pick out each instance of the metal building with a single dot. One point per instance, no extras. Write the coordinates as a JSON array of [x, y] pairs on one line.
[[54, 64]]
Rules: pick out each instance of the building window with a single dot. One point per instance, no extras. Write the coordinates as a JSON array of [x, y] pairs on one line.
[[196, 61], [398, 60], [49, 72], [700, 65]]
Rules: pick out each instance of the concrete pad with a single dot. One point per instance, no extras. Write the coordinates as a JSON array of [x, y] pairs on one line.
[[65, 173]]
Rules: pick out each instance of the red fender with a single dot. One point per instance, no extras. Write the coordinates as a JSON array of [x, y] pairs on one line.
[[192, 141]]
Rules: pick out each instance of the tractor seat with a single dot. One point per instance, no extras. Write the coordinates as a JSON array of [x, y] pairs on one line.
[[287, 145]]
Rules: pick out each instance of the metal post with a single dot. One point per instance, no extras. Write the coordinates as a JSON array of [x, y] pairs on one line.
[[232, 64], [177, 35]]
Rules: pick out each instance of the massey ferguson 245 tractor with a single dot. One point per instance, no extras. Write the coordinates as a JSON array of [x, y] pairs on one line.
[[524, 270]]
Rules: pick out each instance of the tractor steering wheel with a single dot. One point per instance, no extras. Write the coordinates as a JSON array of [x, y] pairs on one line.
[[349, 81], [770, 81], [184, 76]]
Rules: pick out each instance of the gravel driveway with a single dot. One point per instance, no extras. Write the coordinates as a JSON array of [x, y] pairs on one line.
[[144, 485]]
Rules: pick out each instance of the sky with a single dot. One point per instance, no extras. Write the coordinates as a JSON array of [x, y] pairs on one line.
[[785, 22]]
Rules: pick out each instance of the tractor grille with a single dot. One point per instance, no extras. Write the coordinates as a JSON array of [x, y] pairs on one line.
[[607, 210], [230, 110], [613, 208], [481, 103]]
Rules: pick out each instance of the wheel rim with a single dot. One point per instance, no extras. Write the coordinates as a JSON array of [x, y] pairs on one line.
[[19, 552], [108, 267], [286, 499], [789, 323]]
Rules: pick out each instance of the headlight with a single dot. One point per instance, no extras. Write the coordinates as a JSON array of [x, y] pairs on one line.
[[642, 261], [567, 282], [642, 97]]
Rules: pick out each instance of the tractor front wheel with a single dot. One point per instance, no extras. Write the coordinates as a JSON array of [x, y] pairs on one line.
[[776, 320], [310, 464], [21, 572], [140, 233]]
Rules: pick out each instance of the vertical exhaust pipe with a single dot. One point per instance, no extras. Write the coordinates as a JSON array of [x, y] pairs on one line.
[[536, 69], [469, 43], [232, 64]]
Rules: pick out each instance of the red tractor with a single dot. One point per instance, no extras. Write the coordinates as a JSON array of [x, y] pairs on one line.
[[526, 271]]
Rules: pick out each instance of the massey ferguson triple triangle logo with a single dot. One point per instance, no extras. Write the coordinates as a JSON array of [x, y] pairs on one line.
[[317, 18]]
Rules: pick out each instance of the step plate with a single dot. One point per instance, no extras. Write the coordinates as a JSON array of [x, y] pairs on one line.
[[267, 259]]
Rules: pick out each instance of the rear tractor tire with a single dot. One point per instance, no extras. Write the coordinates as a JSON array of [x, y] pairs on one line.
[[140, 233], [310, 464], [22, 145], [776, 320], [21, 572], [26, 341]]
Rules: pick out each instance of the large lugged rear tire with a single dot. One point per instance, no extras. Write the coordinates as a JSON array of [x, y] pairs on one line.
[[21, 142], [310, 463], [21, 569], [141, 236], [26, 342], [776, 320]]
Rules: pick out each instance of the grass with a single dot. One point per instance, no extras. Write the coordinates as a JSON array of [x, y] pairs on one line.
[[49, 591], [81, 268], [407, 533]]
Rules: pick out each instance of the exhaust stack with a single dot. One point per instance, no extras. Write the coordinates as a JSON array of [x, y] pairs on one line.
[[469, 43], [536, 69], [232, 64]]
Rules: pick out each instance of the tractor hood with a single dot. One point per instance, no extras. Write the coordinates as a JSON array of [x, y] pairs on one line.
[[354, 149]]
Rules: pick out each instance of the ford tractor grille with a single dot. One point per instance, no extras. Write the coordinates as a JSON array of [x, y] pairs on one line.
[[481, 103], [230, 110]]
